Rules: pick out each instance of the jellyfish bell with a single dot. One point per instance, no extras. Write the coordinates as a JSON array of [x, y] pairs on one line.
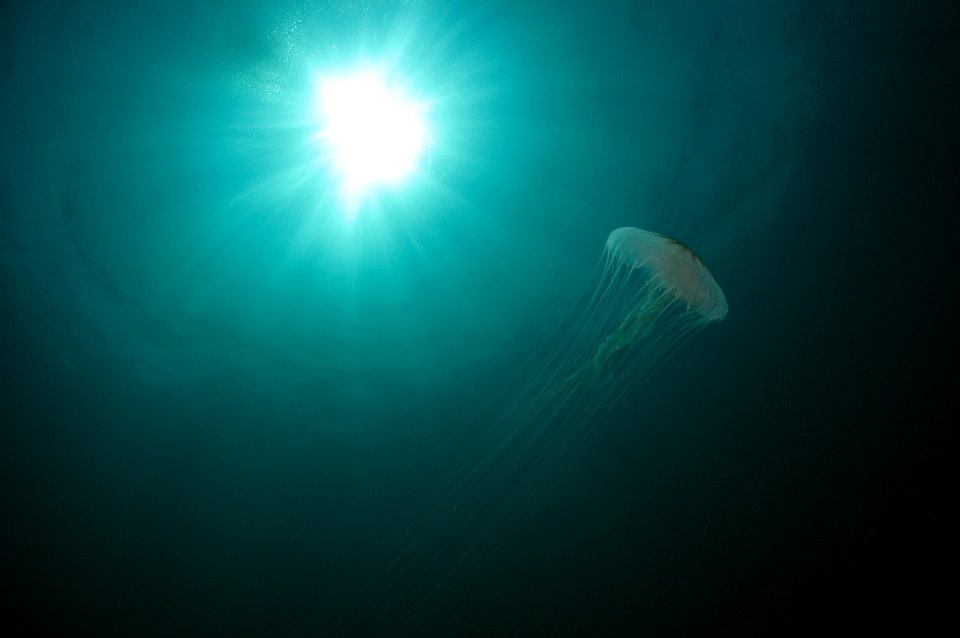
[[673, 266], [662, 286]]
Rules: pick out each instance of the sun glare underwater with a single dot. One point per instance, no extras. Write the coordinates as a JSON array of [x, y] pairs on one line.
[[374, 134], [364, 132]]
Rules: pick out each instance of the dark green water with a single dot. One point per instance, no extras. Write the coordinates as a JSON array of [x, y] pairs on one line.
[[220, 395]]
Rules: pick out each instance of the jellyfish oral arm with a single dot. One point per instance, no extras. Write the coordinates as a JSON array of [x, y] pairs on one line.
[[634, 327]]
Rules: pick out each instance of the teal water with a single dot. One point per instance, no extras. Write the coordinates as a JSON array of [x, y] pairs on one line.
[[227, 399]]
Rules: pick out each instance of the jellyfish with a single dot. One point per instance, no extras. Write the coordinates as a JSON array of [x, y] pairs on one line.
[[649, 295], [663, 293]]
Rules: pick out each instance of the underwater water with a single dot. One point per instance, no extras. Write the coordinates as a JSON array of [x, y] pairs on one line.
[[240, 398]]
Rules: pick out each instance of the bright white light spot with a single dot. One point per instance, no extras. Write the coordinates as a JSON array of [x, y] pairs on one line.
[[375, 135]]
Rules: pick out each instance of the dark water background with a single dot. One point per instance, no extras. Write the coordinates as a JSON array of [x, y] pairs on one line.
[[218, 395]]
